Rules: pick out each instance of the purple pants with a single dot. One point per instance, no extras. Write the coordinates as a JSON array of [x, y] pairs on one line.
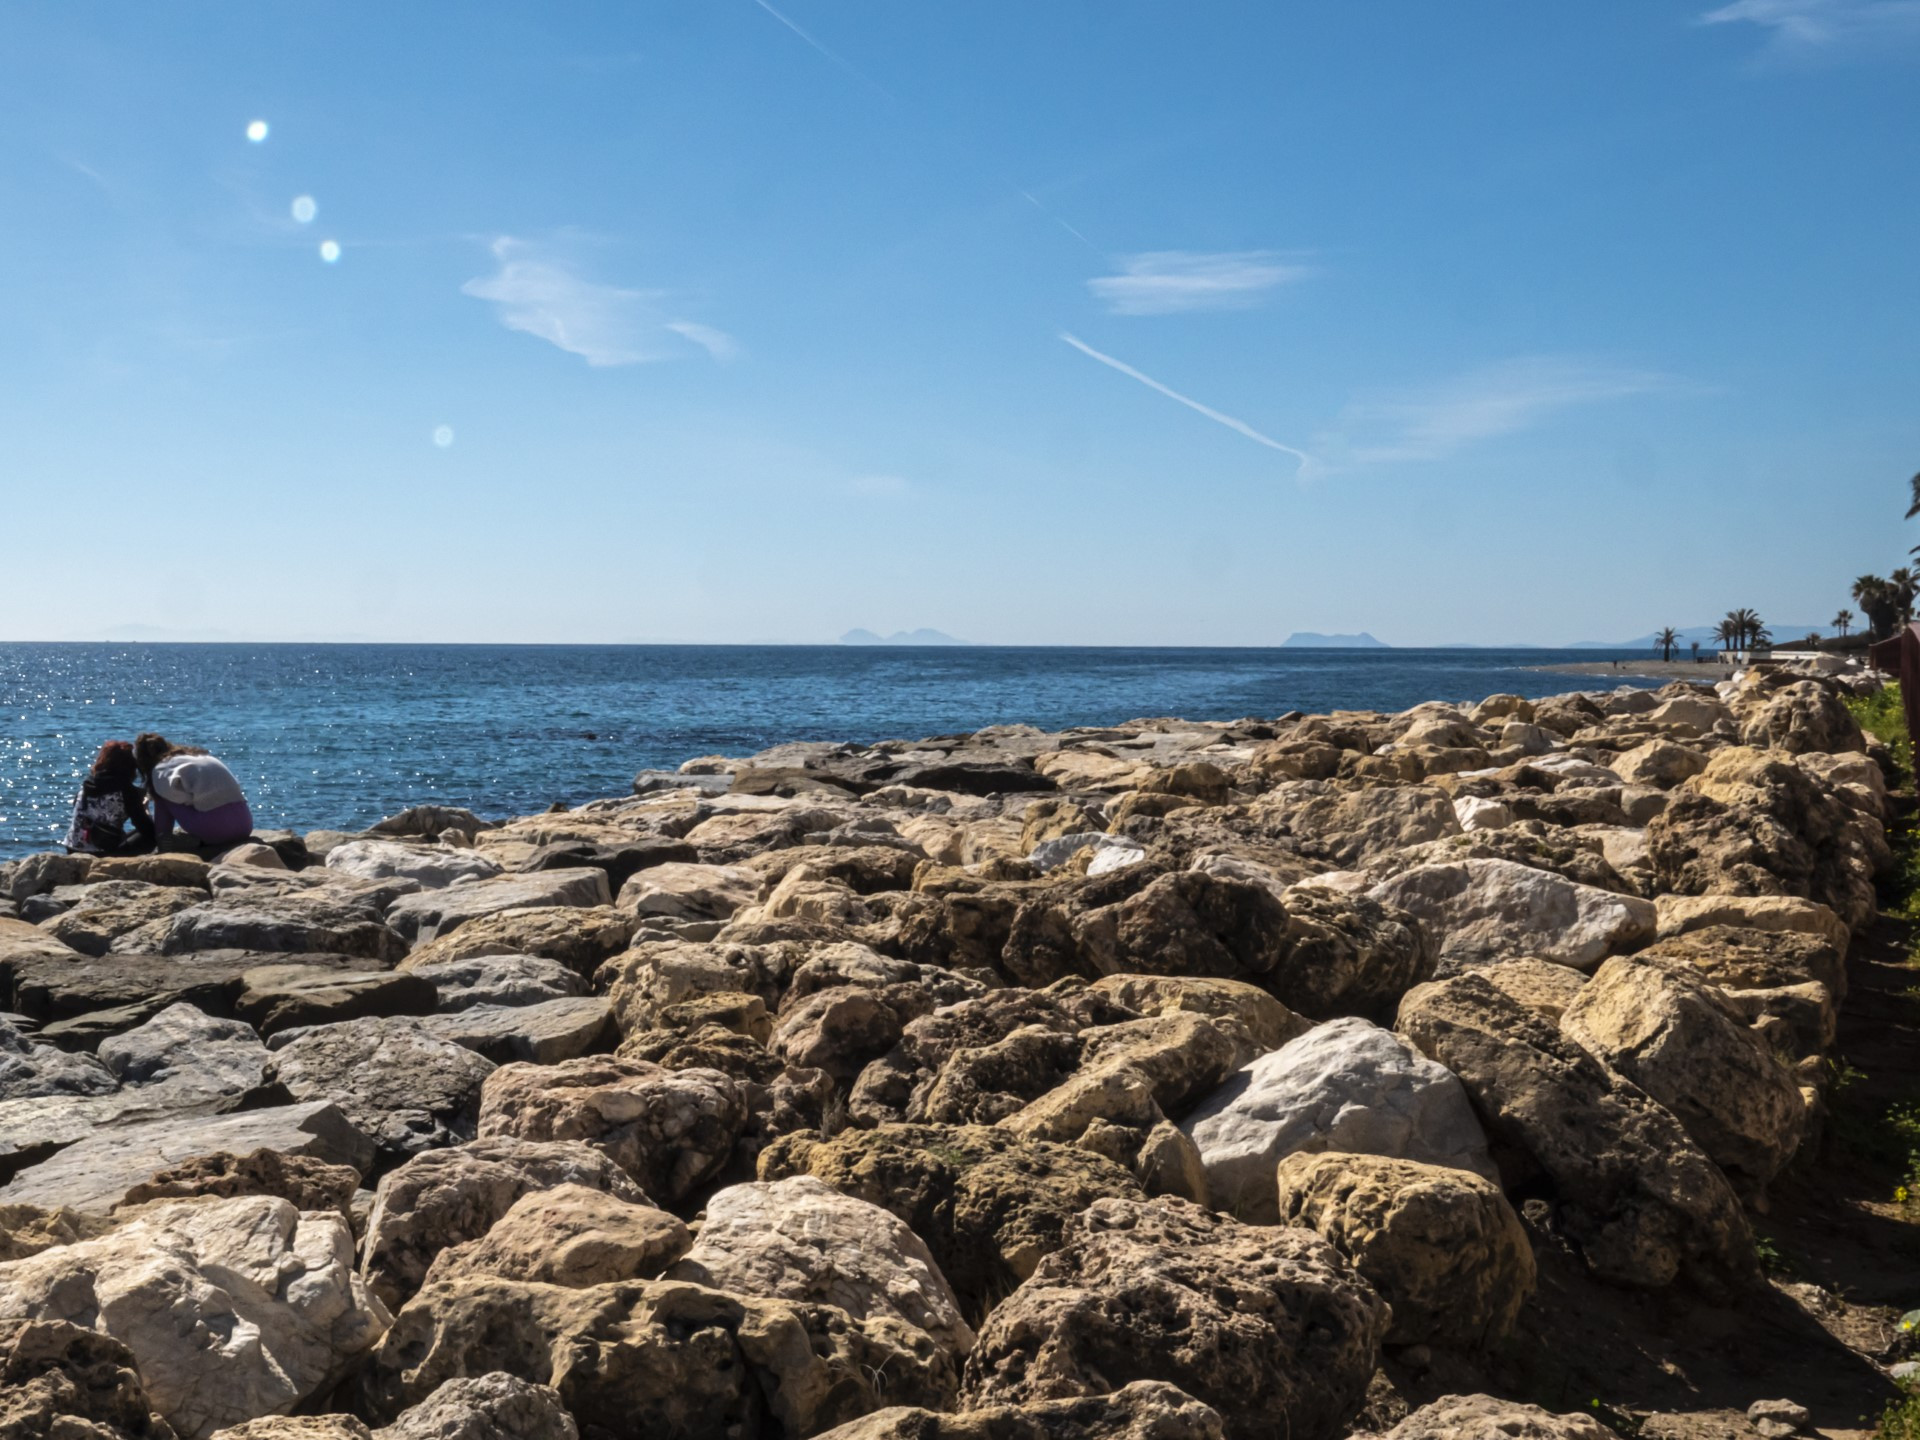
[[222, 825]]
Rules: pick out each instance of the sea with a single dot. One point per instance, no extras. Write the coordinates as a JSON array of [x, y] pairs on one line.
[[337, 736]]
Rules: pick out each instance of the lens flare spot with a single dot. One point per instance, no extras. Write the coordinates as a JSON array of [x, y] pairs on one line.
[[330, 251], [443, 436], [257, 131], [304, 209]]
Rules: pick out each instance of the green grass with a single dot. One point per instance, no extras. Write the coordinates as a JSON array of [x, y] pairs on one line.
[[1882, 716], [1901, 1419]]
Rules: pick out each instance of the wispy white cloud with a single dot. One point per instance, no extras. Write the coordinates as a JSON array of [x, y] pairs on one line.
[[539, 294], [1440, 420], [1825, 26], [1238, 426], [831, 55], [879, 487], [1167, 282]]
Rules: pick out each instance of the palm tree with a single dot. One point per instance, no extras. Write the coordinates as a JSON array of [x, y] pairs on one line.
[[1666, 642], [1878, 603], [1843, 622], [1906, 587], [1726, 634], [1748, 629], [1914, 508]]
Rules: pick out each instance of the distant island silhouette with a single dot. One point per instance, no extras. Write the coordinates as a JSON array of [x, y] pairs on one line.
[[1309, 640], [899, 637]]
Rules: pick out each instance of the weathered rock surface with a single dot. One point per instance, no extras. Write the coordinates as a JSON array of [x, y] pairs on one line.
[[497, 980], [800, 1239], [988, 1204], [1682, 1041], [292, 921], [1143, 1410], [1269, 1327], [444, 1198], [1344, 1086], [406, 1088], [668, 1129], [60, 1381], [300, 1180], [273, 1310], [1629, 1186], [273, 998], [572, 1235], [496, 1406], [579, 937], [1442, 1246], [659, 1358], [1480, 910], [1484, 1417], [434, 913], [434, 866]]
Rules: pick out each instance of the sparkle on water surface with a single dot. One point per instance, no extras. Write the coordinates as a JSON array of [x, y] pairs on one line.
[[336, 736], [257, 131]]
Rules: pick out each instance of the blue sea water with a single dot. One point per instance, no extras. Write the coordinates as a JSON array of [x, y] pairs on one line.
[[336, 736]]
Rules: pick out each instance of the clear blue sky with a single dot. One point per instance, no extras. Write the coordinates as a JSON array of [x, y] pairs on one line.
[[1532, 322]]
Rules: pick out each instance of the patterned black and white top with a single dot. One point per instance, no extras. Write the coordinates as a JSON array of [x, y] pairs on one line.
[[100, 816]]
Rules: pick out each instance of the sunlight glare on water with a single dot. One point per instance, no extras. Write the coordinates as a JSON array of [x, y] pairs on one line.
[[330, 251], [257, 131]]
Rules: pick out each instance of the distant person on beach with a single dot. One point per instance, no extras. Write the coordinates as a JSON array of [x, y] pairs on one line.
[[193, 790], [108, 802]]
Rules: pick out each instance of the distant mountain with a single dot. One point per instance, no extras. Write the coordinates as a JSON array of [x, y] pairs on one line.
[[899, 637], [1308, 640], [1704, 634]]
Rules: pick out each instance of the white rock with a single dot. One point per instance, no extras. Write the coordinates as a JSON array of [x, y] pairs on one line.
[[233, 1308], [680, 891], [1477, 910], [1478, 812], [800, 1239], [434, 866], [433, 913], [1346, 1085], [1115, 857]]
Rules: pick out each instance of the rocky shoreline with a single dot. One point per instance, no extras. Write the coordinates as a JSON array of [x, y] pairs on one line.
[[1417, 1073]]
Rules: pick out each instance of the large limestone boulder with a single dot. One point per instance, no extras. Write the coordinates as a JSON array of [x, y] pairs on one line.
[[432, 913], [1683, 1041], [495, 1406], [646, 981], [1754, 823], [1485, 1417], [29, 1071], [187, 1052], [543, 1033], [1268, 1023], [95, 1173], [1682, 914], [446, 1197], [497, 980], [302, 1181], [434, 866], [572, 1235], [1799, 718], [1442, 1246], [1270, 1327], [1480, 910], [1346, 1086], [800, 1239], [1628, 1184], [658, 1358], [669, 1129], [394, 1079], [988, 1204], [1144, 1410], [114, 908], [1135, 1073], [60, 1381], [232, 1308], [689, 892], [1658, 762], [1347, 954], [1347, 825], [580, 937], [307, 921]]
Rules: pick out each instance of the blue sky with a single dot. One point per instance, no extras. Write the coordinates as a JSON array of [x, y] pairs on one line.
[[1102, 323]]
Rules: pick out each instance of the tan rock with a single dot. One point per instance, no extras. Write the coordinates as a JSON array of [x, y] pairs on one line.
[[1442, 1246], [572, 1235]]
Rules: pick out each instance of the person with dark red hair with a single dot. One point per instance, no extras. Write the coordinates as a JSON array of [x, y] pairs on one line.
[[108, 802]]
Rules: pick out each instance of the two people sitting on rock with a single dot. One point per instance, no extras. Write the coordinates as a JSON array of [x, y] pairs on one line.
[[185, 786]]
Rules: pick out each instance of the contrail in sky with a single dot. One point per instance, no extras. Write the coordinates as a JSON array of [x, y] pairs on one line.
[[1239, 426], [863, 79]]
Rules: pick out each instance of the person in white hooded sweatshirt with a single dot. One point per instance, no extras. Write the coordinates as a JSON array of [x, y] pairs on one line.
[[191, 789]]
